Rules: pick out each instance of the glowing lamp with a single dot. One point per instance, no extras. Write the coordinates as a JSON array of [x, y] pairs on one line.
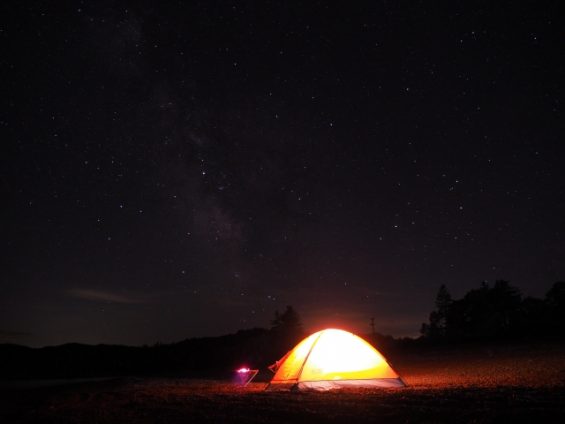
[[245, 375]]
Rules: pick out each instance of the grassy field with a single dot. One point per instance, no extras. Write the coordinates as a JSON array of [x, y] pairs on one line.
[[503, 384]]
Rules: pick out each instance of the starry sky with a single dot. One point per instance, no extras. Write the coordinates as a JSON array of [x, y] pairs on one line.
[[184, 169]]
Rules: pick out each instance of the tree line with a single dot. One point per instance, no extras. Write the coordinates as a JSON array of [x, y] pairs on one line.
[[498, 312]]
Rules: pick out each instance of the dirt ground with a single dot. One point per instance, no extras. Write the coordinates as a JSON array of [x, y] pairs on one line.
[[479, 385]]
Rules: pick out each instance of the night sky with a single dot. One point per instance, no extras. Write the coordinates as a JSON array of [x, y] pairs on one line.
[[184, 169]]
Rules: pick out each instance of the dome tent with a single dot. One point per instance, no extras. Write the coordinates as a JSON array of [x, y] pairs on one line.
[[331, 359]]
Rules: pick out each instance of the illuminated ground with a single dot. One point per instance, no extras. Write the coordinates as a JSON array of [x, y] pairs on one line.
[[478, 385]]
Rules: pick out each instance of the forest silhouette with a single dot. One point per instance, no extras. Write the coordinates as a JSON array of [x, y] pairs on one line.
[[497, 313]]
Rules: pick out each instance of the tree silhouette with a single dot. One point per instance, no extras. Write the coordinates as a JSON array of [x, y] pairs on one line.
[[555, 313], [532, 320], [288, 322], [437, 328], [555, 297], [505, 303], [286, 328], [486, 313], [496, 313]]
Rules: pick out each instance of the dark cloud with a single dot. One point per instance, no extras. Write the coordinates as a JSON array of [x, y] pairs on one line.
[[96, 295], [13, 335]]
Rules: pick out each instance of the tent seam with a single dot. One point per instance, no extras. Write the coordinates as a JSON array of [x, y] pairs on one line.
[[308, 357]]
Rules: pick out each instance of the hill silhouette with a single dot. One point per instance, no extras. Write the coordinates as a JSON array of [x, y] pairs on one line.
[[197, 357], [498, 314]]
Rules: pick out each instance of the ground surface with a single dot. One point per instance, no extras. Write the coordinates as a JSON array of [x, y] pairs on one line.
[[477, 385]]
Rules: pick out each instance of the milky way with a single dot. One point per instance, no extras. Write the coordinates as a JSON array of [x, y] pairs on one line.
[[184, 170]]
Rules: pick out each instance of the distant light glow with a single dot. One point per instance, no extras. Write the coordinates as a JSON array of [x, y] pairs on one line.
[[243, 370]]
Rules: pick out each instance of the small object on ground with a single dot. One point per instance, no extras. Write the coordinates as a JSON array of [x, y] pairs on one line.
[[245, 375]]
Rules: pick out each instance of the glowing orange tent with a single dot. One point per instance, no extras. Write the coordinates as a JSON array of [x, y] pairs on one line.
[[331, 359]]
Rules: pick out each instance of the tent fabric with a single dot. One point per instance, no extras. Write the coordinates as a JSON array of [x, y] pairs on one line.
[[340, 384], [331, 359]]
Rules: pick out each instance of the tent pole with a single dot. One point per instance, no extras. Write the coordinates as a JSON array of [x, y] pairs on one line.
[[307, 356]]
